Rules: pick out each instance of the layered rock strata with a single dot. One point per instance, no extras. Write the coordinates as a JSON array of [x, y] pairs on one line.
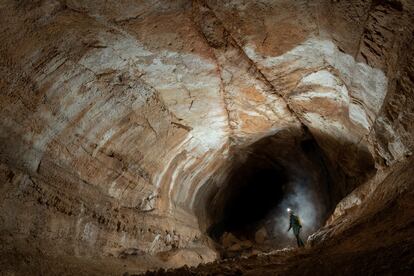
[[121, 121]]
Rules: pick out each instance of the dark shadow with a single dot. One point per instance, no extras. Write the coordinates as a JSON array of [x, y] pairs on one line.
[[264, 178], [254, 189]]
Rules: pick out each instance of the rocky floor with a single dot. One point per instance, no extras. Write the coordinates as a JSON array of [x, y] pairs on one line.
[[397, 260]]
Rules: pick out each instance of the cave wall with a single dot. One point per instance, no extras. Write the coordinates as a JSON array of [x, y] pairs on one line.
[[120, 119]]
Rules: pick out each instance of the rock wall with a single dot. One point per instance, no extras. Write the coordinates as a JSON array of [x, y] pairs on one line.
[[119, 120]]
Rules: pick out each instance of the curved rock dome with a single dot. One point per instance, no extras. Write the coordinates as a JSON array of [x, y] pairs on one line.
[[138, 135]]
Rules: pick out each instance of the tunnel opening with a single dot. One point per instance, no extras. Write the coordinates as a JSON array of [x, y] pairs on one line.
[[254, 189], [264, 179]]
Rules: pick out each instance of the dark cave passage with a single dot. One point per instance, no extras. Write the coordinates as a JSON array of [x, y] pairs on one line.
[[266, 178], [254, 189]]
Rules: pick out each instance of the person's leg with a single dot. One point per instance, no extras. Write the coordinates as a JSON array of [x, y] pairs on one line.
[[302, 244], [298, 241]]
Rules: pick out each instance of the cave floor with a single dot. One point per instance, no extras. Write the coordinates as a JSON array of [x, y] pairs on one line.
[[382, 261], [397, 259]]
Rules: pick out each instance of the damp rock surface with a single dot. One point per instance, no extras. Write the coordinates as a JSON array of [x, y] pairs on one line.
[[139, 135]]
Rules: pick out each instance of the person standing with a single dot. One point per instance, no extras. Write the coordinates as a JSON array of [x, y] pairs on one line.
[[295, 225]]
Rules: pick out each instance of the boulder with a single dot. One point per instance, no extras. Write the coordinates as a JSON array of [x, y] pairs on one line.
[[260, 235]]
